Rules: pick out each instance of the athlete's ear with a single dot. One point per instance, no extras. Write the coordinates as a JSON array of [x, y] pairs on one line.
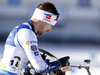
[[41, 21]]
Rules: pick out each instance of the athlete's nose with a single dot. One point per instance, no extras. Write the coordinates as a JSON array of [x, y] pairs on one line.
[[49, 30]]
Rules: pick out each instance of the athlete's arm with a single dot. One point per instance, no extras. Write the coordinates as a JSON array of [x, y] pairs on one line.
[[28, 40]]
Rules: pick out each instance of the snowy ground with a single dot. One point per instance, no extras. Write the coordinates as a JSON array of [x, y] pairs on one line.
[[77, 53]]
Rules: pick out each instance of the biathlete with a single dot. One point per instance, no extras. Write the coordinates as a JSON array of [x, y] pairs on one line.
[[22, 44]]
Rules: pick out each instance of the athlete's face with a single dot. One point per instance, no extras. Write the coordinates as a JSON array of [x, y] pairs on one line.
[[44, 27]]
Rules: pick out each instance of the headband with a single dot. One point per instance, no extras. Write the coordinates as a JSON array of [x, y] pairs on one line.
[[45, 16]]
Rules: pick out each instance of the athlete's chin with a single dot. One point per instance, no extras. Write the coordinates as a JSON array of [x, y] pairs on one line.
[[41, 34]]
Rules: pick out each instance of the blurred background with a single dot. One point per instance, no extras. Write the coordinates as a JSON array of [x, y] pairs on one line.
[[76, 34]]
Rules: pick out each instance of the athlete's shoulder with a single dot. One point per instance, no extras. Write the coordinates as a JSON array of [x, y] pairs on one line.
[[24, 25], [25, 29]]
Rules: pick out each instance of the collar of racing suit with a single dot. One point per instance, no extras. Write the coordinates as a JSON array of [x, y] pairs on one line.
[[32, 26]]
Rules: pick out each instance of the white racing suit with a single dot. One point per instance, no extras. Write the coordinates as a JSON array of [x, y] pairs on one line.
[[22, 42]]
